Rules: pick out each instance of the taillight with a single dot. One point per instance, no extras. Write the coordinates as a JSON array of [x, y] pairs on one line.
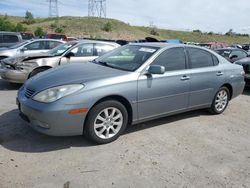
[[243, 73]]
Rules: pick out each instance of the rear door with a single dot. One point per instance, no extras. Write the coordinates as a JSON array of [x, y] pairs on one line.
[[169, 92], [206, 78]]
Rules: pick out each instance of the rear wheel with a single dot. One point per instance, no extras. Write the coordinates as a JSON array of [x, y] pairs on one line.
[[220, 101], [106, 121]]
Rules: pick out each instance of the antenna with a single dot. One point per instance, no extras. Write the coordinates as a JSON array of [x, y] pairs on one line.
[[53, 8], [97, 8]]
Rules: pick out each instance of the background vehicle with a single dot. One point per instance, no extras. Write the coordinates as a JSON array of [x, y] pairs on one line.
[[231, 54], [19, 68], [9, 38], [245, 63], [29, 47], [72, 39], [131, 84], [27, 35], [58, 36]]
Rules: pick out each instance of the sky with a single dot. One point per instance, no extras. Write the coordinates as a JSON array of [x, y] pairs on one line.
[[206, 15]]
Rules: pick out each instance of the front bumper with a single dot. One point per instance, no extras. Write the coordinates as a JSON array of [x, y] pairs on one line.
[[14, 76], [51, 119]]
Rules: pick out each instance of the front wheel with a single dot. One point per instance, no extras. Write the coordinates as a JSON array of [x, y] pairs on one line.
[[220, 101], [106, 121]]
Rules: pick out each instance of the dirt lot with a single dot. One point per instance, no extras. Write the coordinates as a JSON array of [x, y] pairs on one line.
[[193, 149]]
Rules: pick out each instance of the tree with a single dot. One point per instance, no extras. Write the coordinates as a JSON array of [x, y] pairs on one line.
[[153, 29], [229, 33], [107, 27], [39, 32], [59, 30], [29, 19], [20, 28], [6, 25]]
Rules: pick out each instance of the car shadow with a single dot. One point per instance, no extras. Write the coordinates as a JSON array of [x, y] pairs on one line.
[[16, 135], [4, 85]]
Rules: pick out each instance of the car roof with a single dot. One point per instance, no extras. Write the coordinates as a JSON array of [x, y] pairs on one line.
[[8, 32], [158, 44], [94, 41], [32, 40]]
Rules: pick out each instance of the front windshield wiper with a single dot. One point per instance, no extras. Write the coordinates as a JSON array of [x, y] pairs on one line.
[[103, 63]]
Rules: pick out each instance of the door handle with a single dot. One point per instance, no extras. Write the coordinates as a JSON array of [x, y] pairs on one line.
[[183, 78], [219, 73]]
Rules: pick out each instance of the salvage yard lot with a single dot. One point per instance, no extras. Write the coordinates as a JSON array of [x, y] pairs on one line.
[[193, 149]]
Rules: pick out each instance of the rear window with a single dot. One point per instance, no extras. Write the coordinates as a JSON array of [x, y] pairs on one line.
[[10, 38], [27, 36], [200, 58]]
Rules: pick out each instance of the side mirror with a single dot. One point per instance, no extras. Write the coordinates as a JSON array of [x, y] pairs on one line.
[[69, 55], [233, 56], [23, 49], [156, 69]]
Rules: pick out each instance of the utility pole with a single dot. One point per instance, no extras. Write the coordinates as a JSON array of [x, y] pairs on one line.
[[97, 8], [53, 8]]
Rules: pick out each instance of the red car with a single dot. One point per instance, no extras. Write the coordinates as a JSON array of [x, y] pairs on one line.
[[58, 36]]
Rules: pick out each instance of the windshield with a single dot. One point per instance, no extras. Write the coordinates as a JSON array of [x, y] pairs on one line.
[[19, 45], [224, 53], [61, 49], [128, 58]]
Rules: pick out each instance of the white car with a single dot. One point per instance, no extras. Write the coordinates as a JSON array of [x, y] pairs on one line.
[[29, 47]]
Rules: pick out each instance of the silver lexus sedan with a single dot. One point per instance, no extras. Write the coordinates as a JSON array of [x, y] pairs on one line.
[[132, 84]]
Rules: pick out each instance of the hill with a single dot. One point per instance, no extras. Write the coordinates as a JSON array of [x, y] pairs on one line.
[[93, 27]]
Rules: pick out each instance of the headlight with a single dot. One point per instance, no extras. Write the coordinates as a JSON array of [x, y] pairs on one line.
[[13, 60], [20, 65], [55, 93]]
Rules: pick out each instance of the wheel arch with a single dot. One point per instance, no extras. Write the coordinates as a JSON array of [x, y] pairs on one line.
[[41, 67], [230, 88], [120, 99]]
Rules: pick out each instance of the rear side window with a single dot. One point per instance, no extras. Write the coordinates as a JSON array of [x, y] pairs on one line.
[[101, 49], [83, 50], [200, 58], [52, 44], [172, 59], [39, 45], [10, 38]]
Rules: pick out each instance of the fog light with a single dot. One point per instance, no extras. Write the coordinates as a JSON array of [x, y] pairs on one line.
[[41, 124]]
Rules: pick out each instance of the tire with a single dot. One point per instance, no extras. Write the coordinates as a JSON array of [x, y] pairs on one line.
[[106, 121], [36, 71], [220, 101]]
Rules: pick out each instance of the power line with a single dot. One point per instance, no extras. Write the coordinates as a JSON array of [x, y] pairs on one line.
[[97, 8], [53, 8]]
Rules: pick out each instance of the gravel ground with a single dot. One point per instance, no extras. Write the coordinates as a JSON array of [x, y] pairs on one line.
[[192, 149]]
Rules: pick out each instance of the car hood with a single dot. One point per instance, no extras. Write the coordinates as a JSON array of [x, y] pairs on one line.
[[243, 61], [26, 57], [75, 73]]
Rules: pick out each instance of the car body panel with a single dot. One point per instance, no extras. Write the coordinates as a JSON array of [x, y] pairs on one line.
[[149, 97]]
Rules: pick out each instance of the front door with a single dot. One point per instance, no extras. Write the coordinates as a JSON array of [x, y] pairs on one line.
[[166, 93]]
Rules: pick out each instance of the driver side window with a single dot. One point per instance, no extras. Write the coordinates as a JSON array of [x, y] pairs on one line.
[[83, 50], [172, 59], [39, 45]]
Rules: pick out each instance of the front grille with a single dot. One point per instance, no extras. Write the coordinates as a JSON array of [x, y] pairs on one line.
[[29, 92]]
